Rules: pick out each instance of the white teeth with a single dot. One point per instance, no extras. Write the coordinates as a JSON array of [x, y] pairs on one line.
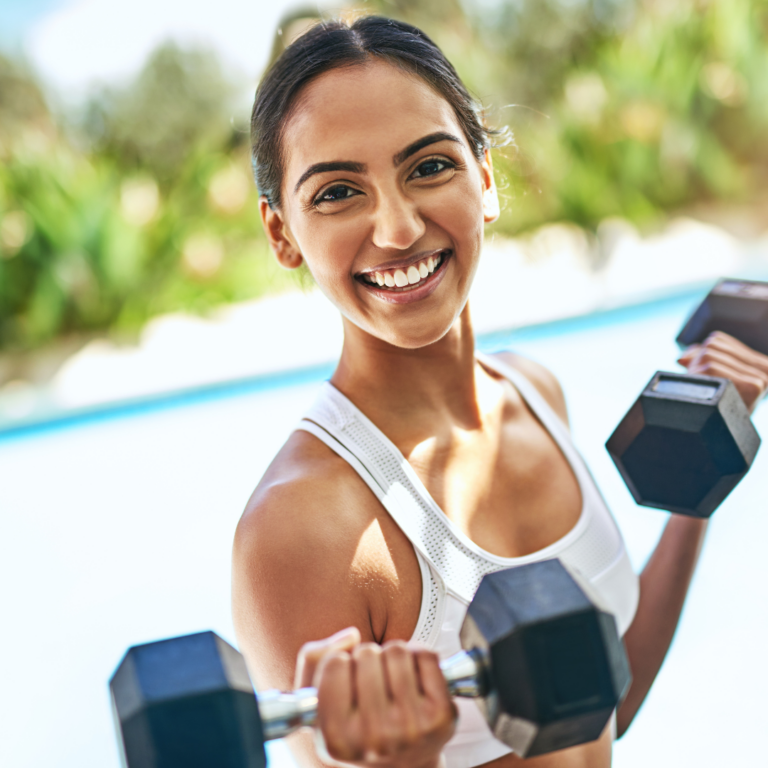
[[412, 275]]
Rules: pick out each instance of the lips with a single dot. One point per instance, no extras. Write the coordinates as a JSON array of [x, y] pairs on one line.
[[405, 278], [410, 292]]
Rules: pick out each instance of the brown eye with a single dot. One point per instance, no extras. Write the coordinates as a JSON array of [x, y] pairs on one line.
[[431, 168], [339, 192]]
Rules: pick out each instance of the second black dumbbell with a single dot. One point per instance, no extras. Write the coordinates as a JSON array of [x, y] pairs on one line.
[[736, 307], [688, 440], [685, 443]]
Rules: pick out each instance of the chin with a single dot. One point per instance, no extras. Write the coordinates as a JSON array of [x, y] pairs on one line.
[[425, 337]]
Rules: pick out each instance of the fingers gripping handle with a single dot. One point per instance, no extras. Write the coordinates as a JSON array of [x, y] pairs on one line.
[[283, 713]]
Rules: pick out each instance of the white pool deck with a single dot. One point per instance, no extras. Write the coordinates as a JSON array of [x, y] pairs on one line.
[[118, 531]]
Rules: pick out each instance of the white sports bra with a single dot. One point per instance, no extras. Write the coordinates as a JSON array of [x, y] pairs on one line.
[[451, 563]]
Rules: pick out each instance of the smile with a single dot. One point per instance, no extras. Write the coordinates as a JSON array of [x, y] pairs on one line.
[[407, 279]]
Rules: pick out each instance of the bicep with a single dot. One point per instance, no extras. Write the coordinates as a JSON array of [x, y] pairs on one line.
[[288, 588], [284, 595]]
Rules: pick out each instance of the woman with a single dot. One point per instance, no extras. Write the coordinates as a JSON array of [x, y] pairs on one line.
[[423, 465]]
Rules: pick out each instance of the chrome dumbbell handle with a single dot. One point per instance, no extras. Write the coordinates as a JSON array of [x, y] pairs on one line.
[[283, 713], [465, 673]]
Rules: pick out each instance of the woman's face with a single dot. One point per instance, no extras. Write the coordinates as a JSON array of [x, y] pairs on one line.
[[384, 200]]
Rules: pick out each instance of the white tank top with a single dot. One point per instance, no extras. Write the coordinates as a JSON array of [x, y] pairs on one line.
[[451, 563]]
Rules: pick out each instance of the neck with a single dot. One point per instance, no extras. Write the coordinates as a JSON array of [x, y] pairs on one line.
[[410, 388]]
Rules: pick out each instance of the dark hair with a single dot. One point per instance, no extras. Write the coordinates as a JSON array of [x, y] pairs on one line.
[[333, 44]]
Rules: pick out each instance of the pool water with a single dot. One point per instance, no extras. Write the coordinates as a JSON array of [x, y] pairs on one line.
[[118, 530]]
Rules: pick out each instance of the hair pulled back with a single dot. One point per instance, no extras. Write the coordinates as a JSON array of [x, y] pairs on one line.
[[334, 44]]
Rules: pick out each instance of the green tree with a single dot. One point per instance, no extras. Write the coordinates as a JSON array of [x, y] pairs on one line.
[[181, 102]]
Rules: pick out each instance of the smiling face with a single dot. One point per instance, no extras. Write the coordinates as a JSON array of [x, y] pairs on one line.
[[384, 200]]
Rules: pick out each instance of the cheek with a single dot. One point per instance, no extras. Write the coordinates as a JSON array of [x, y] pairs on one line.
[[458, 211], [329, 245]]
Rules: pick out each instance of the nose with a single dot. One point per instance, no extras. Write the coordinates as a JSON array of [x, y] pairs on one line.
[[397, 222]]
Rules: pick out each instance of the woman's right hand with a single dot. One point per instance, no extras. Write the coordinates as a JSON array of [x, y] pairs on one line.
[[724, 356], [377, 705]]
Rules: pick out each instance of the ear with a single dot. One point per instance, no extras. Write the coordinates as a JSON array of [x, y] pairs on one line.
[[490, 195], [286, 251]]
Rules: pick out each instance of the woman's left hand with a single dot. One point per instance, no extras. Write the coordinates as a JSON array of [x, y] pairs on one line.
[[723, 356]]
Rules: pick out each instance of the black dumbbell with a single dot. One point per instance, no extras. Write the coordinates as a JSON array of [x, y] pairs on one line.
[[736, 307], [688, 440], [545, 663]]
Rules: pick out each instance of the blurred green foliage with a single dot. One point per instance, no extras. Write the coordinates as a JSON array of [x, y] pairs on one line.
[[180, 102], [142, 203], [146, 207]]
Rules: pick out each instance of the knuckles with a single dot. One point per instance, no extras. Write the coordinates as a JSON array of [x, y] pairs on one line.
[[718, 337], [722, 342], [335, 663], [396, 650], [366, 652], [399, 730]]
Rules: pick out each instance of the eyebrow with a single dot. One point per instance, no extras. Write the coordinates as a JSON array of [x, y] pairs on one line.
[[352, 167], [326, 167], [433, 138]]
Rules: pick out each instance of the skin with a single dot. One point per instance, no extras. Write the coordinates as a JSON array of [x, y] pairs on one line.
[[326, 588]]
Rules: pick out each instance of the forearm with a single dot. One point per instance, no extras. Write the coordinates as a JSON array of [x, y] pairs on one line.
[[664, 585]]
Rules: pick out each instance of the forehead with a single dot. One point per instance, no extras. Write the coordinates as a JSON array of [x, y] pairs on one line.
[[359, 112]]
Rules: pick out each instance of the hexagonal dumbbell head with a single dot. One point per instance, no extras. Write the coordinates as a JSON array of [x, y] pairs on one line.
[[736, 307], [186, 702], [685, 443], [556, 665]]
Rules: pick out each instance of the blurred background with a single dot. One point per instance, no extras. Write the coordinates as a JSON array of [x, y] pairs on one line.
[[124, 157], [153, 357]]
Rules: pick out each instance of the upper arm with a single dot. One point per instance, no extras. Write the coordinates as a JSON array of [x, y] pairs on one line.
[[293, 575], [287, 588], [543, 379]]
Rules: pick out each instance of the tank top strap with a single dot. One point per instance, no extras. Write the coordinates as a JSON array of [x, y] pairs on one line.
[[336, 421], [536, 402], [399, 507], [348, 432]]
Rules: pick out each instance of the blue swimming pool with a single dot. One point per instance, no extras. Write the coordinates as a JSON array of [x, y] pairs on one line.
[[117, 526]]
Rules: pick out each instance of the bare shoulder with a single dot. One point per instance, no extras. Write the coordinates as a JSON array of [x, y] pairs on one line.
[[302, 492], [541, 378], [297, 565]]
